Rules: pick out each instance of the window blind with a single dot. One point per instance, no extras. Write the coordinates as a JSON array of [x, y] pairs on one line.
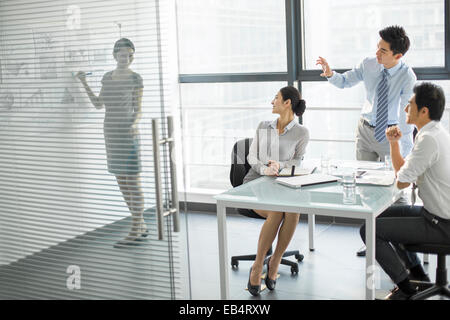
[[61, 211]]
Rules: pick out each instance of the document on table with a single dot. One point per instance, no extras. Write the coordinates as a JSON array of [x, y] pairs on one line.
[[358, 164], [287, 172], [369, 165], [299, 181], [377, 177]]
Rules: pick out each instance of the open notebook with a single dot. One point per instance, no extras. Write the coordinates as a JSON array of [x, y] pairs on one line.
[[287, 172], [299, 181]]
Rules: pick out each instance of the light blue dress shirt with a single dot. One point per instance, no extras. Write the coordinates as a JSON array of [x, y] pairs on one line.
[[401, 81]]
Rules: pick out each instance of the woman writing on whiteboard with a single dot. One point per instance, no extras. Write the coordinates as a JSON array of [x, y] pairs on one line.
[[121, 95], [277, 144]]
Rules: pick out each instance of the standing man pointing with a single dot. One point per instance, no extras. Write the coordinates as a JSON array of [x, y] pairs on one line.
[[389, 84]]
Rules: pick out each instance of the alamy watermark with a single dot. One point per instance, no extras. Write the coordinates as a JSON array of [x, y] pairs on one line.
[[74, 280]]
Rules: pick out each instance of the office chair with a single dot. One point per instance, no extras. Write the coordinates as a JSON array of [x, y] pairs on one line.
[[441, 285], [239, 168]]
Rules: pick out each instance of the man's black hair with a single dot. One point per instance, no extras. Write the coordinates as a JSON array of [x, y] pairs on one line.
[[397, 39], [431, 96]]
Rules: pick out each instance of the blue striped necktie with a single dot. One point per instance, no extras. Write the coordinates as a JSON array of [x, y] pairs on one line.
[[382, 108]]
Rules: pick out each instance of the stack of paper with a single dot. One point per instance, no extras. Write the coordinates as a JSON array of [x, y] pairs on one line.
[[370, 165]]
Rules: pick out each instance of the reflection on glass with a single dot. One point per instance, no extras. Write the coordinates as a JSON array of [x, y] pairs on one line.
[[121, 95]]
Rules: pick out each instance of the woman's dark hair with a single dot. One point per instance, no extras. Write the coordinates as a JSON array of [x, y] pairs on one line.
[[397, 39], [123, 43], [297, 103], [431, 96]]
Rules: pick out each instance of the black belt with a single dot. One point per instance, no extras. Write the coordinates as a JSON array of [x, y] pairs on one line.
[[432, 217], [366, 123]]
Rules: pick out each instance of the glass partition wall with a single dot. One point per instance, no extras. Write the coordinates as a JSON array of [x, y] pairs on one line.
[[79, 203]]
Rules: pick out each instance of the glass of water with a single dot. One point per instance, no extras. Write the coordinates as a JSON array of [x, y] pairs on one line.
[[349, 185], [324, 164], [388, 162]]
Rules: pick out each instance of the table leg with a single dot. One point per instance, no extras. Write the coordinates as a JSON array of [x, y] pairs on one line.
[[370, 259], [223, 251], [311, 227]]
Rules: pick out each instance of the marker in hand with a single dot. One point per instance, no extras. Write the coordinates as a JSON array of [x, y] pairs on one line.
[[74, 74]]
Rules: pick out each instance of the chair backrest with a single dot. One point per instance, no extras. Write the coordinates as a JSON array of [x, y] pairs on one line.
[[239, 168], [239, 164]]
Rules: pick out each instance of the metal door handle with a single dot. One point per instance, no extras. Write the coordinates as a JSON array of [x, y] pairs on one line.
[[158, 188], [173, 176], [175, 208]]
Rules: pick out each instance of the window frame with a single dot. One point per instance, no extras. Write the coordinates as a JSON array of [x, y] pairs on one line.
[[424, 73], [295, 56]]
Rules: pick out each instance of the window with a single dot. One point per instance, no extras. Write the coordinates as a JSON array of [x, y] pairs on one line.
[[215, 116], [331, 116], [446, 116], [346, 31], [231, 36]]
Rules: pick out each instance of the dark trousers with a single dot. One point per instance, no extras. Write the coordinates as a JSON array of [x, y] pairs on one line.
[[400, 225]]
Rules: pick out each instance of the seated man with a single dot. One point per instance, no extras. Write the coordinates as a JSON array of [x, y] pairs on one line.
[[427, 166]]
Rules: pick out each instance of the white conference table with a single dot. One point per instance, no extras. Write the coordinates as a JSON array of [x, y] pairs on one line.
[[323, 199]]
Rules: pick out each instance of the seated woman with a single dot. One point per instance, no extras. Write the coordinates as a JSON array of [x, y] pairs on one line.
[[277, 144]]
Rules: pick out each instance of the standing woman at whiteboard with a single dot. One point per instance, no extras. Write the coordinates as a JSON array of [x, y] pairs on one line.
[[121, 95]]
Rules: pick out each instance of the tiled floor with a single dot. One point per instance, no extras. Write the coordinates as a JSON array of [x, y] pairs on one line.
[[332, 271]]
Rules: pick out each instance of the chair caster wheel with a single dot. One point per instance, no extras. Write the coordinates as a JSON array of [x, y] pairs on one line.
[[234, 263], [299, 257], [294, 270]]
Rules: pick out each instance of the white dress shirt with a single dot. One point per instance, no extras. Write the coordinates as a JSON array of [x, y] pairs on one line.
[[428, 165]]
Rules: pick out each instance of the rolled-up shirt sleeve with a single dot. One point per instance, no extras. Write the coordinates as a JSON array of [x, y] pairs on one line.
[[422, 157]]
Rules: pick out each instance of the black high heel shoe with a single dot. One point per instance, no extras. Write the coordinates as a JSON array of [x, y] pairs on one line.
[[270, 284], [254, 290]]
